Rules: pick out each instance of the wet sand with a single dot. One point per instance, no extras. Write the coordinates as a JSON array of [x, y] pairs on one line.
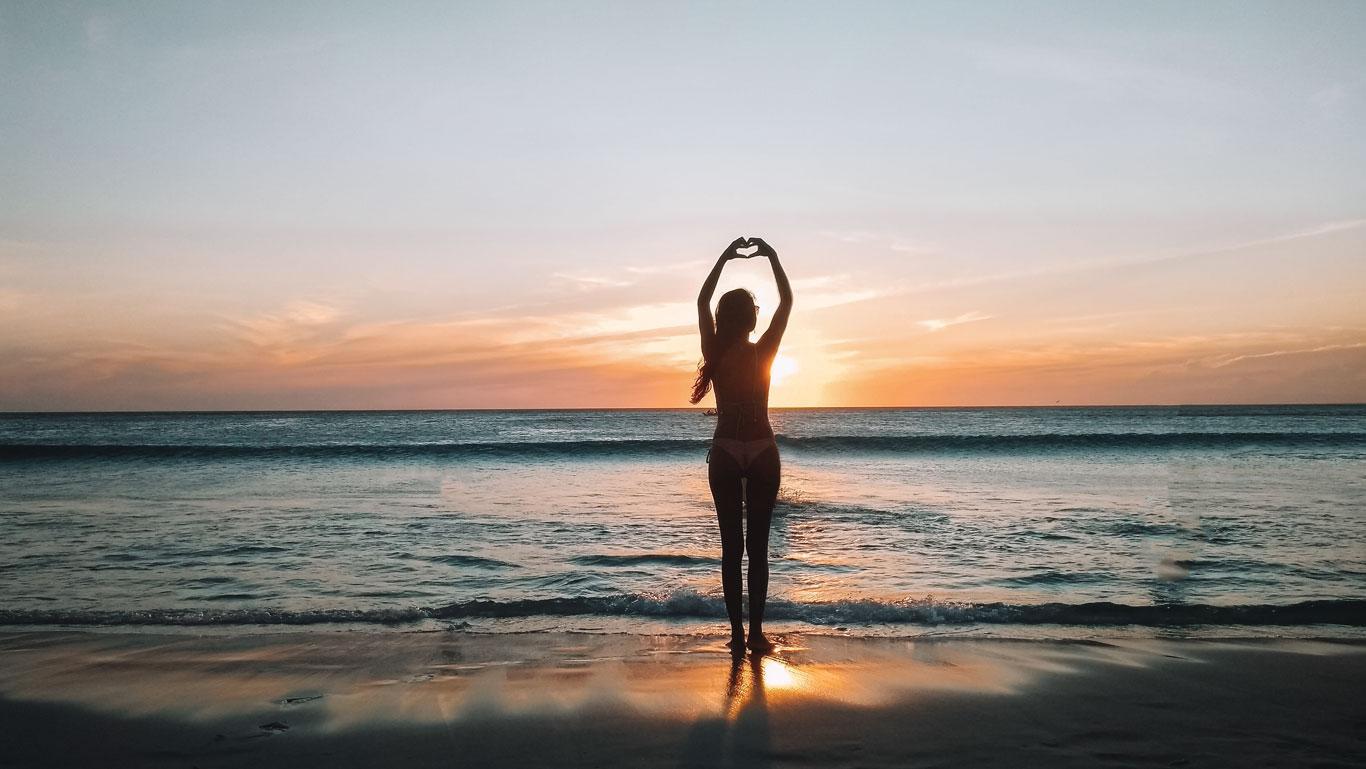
[[327, 698]]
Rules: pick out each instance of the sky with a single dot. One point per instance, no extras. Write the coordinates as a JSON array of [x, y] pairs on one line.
[[232, 205]]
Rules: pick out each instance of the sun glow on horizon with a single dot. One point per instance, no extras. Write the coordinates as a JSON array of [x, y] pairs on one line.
[[783, 367]]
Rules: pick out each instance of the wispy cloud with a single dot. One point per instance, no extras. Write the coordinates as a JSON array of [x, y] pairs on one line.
[[1101, 74], [1222, 361], [1244, 367], [822, 291], [289, 333], [1326, 228], [856, 237], [1111, 263], [628, 275], [259, 47], [660, 269], [592, 282], [939, 324], [892, 242]]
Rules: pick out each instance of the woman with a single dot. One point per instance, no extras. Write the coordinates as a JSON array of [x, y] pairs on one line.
[[742, 448]]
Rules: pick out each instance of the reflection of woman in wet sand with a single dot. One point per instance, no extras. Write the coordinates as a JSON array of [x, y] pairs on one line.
[[744, 468], [740, 736]]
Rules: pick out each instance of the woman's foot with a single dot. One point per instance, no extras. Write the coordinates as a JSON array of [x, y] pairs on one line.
[[759, 642], [737, 642]]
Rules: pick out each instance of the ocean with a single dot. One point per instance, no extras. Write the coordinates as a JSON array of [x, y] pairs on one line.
[[1028, 522]]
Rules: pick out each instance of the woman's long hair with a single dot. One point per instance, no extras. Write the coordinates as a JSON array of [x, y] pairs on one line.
[[734, 321]]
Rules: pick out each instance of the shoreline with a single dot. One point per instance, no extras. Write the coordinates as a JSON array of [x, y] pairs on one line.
[[319, 698], [696, 628]]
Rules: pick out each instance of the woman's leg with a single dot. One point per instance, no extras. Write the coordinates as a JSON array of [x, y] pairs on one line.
[[723, 475], [765, 474]]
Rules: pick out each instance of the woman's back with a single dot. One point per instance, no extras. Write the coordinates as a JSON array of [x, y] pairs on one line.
[[740, 379]]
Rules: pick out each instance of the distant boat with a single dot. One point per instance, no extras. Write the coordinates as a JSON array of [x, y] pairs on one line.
[[709, 413]]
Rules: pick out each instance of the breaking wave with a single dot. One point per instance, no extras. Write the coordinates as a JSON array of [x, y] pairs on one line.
[[842, 444], [685, 604]]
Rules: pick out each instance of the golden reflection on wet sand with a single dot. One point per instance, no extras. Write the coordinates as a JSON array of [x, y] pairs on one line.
[[332, 681]]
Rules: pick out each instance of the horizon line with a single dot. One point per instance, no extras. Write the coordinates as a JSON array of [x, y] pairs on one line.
[[684, 408]]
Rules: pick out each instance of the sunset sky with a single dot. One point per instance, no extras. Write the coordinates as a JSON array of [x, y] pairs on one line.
[[287, 205]]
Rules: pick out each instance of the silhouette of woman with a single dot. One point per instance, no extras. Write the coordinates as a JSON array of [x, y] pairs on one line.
[[743, 465]]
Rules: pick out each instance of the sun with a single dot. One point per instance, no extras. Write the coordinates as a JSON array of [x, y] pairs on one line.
[[783, 367]]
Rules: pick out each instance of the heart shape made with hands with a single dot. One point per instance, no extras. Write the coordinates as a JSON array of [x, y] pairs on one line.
[[750, 247]]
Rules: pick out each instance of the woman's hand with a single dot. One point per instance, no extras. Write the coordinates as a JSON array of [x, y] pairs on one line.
[[764, 248], [732, 251]]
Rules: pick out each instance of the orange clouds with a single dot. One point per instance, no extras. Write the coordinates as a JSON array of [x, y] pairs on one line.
[[1230, 369], [1278, 320]]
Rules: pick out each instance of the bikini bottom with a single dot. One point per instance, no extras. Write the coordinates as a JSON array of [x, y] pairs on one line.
[[743, 452]]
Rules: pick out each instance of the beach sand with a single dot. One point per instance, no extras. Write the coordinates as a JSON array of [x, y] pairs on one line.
[[342, 699]]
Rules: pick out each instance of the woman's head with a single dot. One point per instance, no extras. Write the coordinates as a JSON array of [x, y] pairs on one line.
[[736, 315]]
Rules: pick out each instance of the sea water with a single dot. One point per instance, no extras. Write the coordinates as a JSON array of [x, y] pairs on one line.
[[1053, 521]]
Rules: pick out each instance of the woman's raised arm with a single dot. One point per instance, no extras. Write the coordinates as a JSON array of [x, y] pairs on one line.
[[768, 343], [706, 325]]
